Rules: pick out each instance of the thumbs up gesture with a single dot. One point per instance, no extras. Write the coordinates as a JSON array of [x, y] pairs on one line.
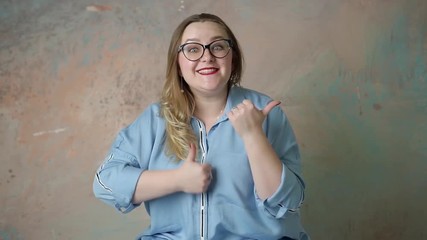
[[246, 118], [194, 176]]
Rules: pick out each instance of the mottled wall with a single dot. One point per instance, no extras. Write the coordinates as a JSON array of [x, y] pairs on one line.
[[351, 74]]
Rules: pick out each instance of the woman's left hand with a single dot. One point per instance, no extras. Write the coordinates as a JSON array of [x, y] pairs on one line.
[[247, 119]]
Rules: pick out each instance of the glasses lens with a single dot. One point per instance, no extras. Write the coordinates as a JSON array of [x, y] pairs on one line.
[[219, 48], [193, 51]]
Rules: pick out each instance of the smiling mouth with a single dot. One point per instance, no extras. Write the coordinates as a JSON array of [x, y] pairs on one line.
[[207, 71]]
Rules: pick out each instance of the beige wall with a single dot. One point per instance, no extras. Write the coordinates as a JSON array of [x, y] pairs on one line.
[[351, 75]]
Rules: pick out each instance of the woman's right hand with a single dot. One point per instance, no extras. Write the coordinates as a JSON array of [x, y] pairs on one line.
[[194, 177]]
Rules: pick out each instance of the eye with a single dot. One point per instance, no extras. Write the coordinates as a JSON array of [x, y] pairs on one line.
[[192, 48], [218, 47]]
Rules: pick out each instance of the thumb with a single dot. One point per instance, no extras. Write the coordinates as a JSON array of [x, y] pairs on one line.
[[191, 153], [270, 106]]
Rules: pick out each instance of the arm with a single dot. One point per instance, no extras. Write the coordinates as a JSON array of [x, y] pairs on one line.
[[122, 183], [115, 179], [273, 155], [190, 177], [124, 179], [154, 184], [265, 165]]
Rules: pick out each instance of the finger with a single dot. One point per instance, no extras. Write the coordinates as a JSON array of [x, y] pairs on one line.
[[230, 115], [207, 168], [233, 111], [192, 153], [270, 106], [247, 102], [242, 106]]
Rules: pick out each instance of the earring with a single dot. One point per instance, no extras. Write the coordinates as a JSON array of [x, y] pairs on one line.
[[233, 80], [182, 84]]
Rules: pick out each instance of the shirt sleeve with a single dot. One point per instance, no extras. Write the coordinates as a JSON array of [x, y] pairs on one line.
[[290, 194], [116, 179]]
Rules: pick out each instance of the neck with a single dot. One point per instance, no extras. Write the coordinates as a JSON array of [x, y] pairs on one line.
[[210, 109]]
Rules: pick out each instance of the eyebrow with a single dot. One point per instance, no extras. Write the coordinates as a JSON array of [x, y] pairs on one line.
[[198, 40]]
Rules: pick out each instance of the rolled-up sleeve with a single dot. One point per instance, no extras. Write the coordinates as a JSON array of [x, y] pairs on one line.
[[290, 194], [116, 179], [288, 197]]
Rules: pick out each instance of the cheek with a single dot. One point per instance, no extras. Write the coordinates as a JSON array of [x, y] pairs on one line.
[[185, 66], [228, 64], [229, 60]]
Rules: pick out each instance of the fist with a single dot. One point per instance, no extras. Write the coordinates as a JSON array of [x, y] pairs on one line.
[[246, 118], [194, 176]]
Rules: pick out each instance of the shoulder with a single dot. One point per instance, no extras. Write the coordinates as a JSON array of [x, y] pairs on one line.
[[150, 117], [142, 132], [152, 111]]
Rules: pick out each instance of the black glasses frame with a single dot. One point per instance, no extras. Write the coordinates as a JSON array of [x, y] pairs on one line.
[[208, 46]]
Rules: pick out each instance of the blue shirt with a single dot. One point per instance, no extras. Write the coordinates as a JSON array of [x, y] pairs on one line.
[[230, 208]]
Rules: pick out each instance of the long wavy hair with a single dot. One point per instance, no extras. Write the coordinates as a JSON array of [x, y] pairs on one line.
[[176, 106]]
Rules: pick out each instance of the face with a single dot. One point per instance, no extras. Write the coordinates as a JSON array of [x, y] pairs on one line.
[[209, 75]]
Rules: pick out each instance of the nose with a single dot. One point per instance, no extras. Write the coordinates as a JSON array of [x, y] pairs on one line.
[[207, 56]]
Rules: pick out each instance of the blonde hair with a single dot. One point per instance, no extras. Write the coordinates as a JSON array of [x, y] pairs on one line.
[[177, 107]]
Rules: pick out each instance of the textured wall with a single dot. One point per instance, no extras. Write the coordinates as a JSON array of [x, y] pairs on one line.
[[351, 74]]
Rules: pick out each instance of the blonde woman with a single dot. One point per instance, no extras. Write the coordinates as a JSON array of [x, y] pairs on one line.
[[211, 159]]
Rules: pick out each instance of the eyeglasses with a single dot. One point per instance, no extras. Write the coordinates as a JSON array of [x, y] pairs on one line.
[[194, 51]]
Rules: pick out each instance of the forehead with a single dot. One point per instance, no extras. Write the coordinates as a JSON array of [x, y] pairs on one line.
[[203, 32]]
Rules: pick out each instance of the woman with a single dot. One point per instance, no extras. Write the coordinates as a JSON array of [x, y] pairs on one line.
[[211, 160]]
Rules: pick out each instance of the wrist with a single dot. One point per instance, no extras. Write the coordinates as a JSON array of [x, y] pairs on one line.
[[253, 136], [176, 180]]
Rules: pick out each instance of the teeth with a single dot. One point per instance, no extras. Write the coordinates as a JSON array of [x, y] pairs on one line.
[[207, 71]]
